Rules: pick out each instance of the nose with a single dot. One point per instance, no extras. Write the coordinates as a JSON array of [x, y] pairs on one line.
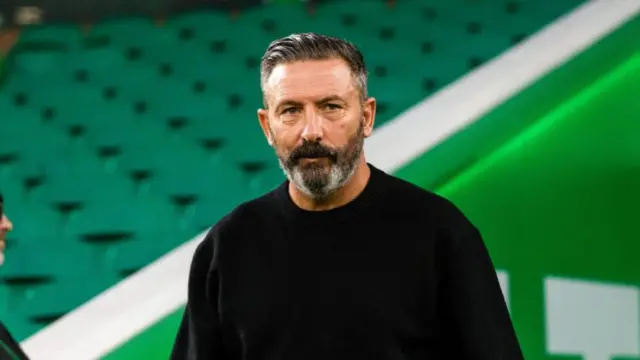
[[5, 224], [312, 131]]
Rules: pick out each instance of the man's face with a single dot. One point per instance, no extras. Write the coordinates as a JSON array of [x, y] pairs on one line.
[[5, 227], [316, 122]]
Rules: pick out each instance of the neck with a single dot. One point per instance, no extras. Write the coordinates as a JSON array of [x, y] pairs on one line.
[[342, 196]]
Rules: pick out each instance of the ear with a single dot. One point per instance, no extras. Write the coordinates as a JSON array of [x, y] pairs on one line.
[[369, 114], [263, 119]]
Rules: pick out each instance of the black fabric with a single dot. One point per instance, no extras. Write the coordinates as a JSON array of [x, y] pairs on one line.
[[399, 273], [9, 347]]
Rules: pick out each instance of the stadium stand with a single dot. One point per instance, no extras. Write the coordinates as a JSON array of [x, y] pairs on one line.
[[120, 142]]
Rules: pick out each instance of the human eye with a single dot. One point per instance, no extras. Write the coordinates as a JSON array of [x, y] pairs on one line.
[[289, 114], [290, 110], [331, 106]]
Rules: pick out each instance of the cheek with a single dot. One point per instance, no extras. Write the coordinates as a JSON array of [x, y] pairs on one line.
[[281, 145], [343, 131]]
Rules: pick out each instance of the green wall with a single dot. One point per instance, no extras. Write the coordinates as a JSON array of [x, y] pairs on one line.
[[562, 199], [551, 178]]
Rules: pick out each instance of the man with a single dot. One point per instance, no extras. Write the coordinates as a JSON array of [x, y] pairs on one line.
[[9, 348], [342, 261]]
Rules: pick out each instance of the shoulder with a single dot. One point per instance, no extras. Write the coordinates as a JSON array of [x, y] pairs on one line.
[[244, 218], [7, 338], [3, 331], [431, 213], [407, 199]]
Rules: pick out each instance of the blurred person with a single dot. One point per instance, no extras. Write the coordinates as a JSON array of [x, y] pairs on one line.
[[341, 261], [9, 347]]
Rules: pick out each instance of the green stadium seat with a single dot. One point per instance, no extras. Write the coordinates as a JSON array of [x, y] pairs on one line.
[[16, 144], [267, 20], [211, 129], [188, 181], [128, 257], [112, 138], [177, 101], [244, 96], [204, 26], [208, 209], [78, 187], [48, 302], [340, 18], [164, 154], [266, 180], [188, 58], [44, 261], [36, 62], [121, 218], [130, 33], [11, 189], [74, 115], [24, 264], [33, 223], [128, 83], [93, 58], [16, 122], [67, 36], [250, 151], [5, 301]]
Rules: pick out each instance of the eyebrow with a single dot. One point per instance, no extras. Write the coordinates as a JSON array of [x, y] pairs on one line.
[[285, 103], [330, 98]]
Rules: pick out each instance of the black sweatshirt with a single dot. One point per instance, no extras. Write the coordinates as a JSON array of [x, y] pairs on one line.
[[9, 347], [398, 273]]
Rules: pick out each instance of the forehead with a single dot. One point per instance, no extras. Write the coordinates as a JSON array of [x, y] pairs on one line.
[[310, 79]]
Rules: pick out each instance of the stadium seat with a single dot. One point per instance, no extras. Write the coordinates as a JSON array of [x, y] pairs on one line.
[[33, 222], [130, 256], [35, 62], [122, 218], [93, 57], [266, 20], [344, 17], [67, 36], [184, 180], [195, 61], [119, 33], [204, 26], [266, 180], [45, 260], [77, 187], [208, 209], [17, 149], [45, 303]]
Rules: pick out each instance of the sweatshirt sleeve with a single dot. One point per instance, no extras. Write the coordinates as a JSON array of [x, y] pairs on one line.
[[472, 309], [13, 346], [198, 336]]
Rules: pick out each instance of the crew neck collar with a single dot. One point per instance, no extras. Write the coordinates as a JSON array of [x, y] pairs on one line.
[[342, 212]]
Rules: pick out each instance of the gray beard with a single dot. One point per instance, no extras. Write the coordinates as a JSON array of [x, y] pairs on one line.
[[320, 186]]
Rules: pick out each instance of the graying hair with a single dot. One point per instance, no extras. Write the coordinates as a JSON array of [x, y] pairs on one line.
[[312, 46]]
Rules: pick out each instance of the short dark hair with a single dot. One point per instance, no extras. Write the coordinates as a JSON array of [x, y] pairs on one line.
[[312, 46]]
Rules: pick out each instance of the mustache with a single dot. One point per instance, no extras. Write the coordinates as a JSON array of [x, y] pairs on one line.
[[313, 150]]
